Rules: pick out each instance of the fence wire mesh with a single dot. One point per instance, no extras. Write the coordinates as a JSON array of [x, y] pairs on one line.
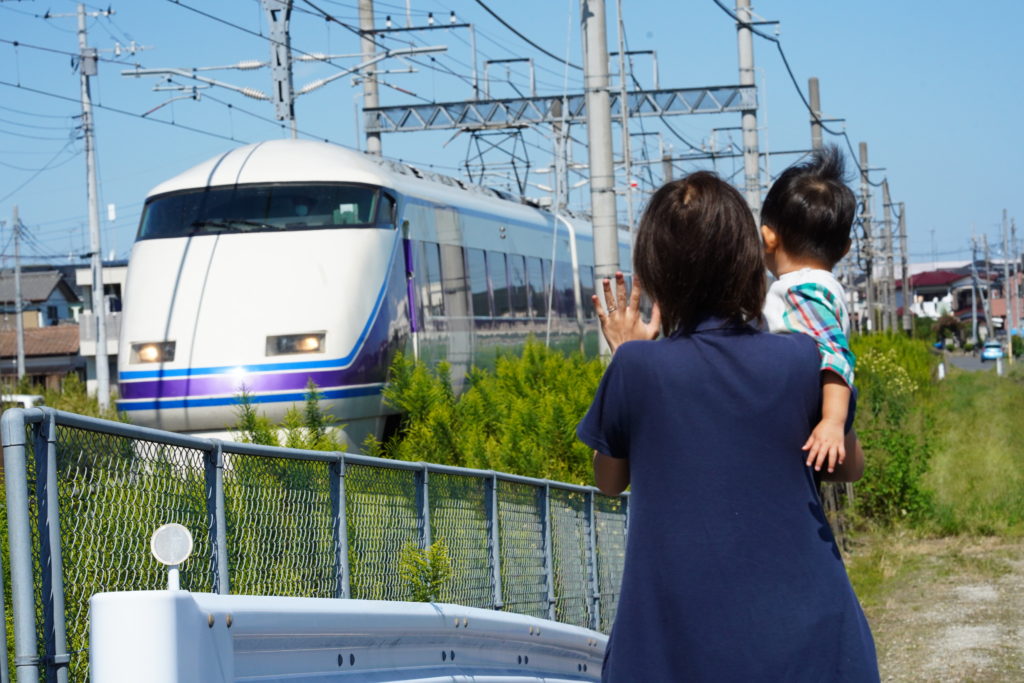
[[380, 507], [458, 517], [521, 541], [279, 516], [570, 533]]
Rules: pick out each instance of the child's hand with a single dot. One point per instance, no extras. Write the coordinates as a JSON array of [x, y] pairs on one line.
[[826, 441]]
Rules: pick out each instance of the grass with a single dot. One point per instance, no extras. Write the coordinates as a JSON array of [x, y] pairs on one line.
[[977, 470]]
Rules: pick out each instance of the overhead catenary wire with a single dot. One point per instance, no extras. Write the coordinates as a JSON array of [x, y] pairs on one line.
[[526, 39], [122, 111]]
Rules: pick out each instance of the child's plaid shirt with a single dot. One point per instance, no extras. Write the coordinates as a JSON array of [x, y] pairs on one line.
[[812, 302]]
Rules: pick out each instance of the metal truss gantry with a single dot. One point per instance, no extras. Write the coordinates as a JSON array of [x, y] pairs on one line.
[[523, 111]]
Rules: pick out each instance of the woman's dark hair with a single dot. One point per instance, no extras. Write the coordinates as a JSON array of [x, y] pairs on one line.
[[697, 253], [811, 208]]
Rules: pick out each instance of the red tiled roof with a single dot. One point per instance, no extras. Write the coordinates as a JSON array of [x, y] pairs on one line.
[[935, 277], [60, 340]]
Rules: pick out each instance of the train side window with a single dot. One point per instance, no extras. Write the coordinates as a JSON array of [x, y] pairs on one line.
[[476, 265], [535, 279], [587, 290], [497, 271], [428, 279], [565, 298], [517, 285], [386, 215]]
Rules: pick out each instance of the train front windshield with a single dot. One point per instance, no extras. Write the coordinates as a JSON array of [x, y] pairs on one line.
[[255, 208]]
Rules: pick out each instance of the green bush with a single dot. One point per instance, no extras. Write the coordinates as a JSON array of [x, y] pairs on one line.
[[1018, 346], [521, 418], [894, 381], [425, 571]]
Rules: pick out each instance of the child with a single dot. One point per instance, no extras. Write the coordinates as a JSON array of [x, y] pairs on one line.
[[806, 220]]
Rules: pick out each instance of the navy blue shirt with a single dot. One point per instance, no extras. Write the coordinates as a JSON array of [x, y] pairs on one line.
[[732, 573]]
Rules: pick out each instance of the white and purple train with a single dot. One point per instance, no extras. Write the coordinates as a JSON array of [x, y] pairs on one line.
[[285, 261]]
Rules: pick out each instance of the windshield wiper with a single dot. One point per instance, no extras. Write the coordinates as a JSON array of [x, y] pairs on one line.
[[231, 223]]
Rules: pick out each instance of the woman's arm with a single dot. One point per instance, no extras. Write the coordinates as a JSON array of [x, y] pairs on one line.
[[852, 468], [611, 474]]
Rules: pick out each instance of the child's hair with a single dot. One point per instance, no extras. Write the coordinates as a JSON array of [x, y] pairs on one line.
[[811, 208], [697, 253]]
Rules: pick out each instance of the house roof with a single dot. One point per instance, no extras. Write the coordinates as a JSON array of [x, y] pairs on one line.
[[59, 340], [36, 286]]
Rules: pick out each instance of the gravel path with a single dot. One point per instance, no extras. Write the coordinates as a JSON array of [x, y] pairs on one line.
[[952, 611]]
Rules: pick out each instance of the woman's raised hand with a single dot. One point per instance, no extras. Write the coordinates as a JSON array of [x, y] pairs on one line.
[[622, 321]]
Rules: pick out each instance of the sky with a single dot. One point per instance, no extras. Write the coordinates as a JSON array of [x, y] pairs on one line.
[[934, 89]]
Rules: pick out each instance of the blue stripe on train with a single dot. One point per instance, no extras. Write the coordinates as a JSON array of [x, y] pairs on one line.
[[344, 392]]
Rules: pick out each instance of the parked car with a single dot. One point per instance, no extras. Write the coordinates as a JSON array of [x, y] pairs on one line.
[[992, 350]]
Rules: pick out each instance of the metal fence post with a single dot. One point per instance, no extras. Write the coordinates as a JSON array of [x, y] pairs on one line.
[[19, 540], [595, 586], [544, 501], [423, 504], [492, 523], [216, 516], [343, 586], [56, 657]]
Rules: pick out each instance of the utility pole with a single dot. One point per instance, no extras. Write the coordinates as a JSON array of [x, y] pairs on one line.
[[1016, 277], [986, 296], [751, 166], [814, 95], [87, 68], [908, 294], [869, 249], [627, 152], [666, 166], [974, 289], [1007, 319], [889, 276], [599, 138], [371, 96], [279, 13], [19, 324]]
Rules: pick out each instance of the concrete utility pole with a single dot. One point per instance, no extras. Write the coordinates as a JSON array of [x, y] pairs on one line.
[[19, 324], [371, 97], [279, 13], [1016, 274], [627, 152], [815, 98], [986, 296], [1007, 319], [889, 276], [869, 248], [87, 68], [974, 289], [751, 166], [599, 138], [908, 294]]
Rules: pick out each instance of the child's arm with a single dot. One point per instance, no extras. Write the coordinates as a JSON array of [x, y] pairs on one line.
[[812, 310], [853, 468], [827, 441]]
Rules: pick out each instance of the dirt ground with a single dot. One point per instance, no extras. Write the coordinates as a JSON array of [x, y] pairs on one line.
[[944, 609]]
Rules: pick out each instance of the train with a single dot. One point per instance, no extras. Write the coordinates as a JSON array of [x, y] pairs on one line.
[[287, 261]]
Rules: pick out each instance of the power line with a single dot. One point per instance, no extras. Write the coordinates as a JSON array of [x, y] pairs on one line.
[[525, 39], [122, 111], [43, 48], [46, 167], [34, 114]]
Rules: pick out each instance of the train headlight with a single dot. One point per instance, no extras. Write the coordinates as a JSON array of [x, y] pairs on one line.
[[152, 352], [310, 342]]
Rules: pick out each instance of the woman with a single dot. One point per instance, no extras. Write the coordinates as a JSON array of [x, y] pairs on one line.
[[731, 570]]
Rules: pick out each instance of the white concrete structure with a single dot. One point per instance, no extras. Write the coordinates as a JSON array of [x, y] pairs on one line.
[[177, 636]]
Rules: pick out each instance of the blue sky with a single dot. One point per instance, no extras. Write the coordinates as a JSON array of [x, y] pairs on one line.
[[933, 88]]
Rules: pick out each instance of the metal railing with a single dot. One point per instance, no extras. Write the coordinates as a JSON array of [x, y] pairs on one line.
[[84, 495]]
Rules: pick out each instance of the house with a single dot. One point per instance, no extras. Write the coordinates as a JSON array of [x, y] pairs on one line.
[[51, 353], [47, 298], [115, 274]]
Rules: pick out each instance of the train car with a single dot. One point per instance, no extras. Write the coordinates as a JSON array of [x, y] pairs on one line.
[[287, 261]]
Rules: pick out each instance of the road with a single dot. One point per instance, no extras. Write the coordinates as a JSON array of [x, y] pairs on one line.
[[970, 362]]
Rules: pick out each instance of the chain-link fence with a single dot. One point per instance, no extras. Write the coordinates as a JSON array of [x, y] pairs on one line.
[[84, 495]]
